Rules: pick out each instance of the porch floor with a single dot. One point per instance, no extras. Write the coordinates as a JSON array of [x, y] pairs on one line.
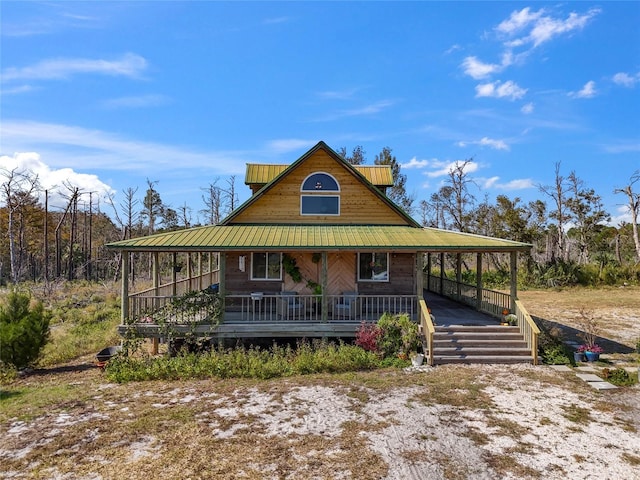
[[448, 312]]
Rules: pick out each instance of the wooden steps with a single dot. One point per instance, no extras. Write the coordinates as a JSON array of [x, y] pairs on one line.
[[479, 344]]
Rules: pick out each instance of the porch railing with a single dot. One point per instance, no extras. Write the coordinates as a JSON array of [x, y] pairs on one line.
[[491, 302], [428, 330], [275, 308]]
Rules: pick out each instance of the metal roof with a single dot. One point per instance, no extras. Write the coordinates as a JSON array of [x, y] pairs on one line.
[[317, 238], [261, 174]]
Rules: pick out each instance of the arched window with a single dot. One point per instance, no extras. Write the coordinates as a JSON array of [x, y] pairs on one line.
[[320, 182]]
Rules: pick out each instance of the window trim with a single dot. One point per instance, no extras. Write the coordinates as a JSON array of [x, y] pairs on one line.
[[372, 280], [302, 213], [265, 279]]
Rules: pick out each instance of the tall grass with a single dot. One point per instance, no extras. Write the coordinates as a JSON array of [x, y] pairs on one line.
[[278, 361]]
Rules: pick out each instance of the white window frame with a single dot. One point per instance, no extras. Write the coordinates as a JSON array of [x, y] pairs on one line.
[[320, 190], [382, 280], [266, 272]]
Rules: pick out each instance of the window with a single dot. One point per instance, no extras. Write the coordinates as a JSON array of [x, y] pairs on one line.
[[266, 266], [373, 267], [319, 181], [314, 200], [320, 205]]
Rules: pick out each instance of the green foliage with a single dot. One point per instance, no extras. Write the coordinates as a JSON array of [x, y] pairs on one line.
[[24, 330], [291, 268], [399, 335], [8, 374], [278, 361], [618, 376], [552, 349], [638, 345]]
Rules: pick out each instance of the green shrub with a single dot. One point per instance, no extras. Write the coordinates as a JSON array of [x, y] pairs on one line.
[[320, 357], [618, 376], [24, 330], [552, 349], [399, 335]]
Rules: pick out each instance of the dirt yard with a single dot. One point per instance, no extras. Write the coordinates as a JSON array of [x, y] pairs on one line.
[[447, 422]]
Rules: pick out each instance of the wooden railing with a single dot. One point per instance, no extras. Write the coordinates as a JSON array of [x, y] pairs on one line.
[[276, 308], [428, 330], [528, 329], [491, 302]]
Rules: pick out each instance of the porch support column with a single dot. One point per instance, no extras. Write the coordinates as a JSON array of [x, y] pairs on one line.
[[323, 283], [429, 271], [420, 274], [479, 281], [124, 293], [174, 275], [222, 268], [189, 276], [458, 275], [199, 270], [514, 280], [441, 273], [156, 284]]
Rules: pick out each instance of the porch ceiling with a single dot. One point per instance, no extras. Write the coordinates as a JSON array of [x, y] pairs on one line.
[[318, 238]]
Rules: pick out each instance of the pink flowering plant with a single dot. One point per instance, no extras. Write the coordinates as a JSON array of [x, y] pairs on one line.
[[594, 348]]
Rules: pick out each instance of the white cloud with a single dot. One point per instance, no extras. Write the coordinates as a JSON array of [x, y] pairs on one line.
[[55, 180], [588, 91], [339, 94], [76, 147], [477, 69], [486, 142], [444, 168], [129, 65], [518, 184], [415, 163], [626, 80], [370, 109], [508, 89], [527, 109], [526, 27], [289, 145], [276, 20], [141, 101]]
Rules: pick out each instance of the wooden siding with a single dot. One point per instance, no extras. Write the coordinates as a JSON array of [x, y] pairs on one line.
[[281, 203], [402, 278], [238, 282]]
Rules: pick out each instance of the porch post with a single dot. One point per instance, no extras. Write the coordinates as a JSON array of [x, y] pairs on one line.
[[174, 275], [514, 280], [429, 271], [441, 273], [479, 281], [420, 274], [199, 270], [458, 275], [156, 282], [222, 268], [324, 283], [189, 276], [124, 311]]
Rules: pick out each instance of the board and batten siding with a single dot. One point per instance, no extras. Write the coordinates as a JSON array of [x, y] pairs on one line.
[[358, 204]]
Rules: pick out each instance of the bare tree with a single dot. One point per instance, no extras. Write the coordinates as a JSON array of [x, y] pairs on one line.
[[558, 192], [18, 190], [231, 195], [634, 208], [213, 203]]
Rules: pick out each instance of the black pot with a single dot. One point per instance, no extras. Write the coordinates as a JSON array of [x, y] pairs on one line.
[[105, 354]]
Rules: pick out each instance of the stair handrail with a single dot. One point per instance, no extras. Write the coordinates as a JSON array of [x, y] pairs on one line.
[[528, 329], [428, 329]]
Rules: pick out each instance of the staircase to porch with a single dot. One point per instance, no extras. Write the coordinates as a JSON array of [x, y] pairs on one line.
[[479, 344]]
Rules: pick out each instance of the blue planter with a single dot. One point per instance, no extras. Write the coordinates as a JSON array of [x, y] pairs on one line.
[[591, 356], [578, 357]]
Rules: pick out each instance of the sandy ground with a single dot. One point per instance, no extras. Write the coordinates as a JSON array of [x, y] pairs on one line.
[[507, 422]]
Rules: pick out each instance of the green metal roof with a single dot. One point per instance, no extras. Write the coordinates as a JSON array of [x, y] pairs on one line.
[[317, 238], [261, 174]]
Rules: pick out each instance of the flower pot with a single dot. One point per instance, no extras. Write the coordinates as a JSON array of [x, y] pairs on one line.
[[578, 357], [592, 356], [417, 359]]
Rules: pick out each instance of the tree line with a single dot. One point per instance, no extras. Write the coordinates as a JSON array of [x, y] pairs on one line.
[[568, 225]]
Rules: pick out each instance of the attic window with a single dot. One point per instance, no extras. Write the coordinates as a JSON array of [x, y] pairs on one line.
[[315, 200], [320, 182]]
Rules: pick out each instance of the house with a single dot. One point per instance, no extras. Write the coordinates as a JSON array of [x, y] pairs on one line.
[[317, 249]]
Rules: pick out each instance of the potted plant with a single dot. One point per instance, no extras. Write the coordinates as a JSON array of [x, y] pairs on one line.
[[592, 352], [509, 318]]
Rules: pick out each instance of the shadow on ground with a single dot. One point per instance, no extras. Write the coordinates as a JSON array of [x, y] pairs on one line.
[[573, 335]]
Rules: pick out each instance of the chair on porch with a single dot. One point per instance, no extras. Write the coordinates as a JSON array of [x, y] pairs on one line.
[[289, 306], [346, 306]]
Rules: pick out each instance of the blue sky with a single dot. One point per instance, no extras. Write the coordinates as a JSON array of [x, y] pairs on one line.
[[109, 94]]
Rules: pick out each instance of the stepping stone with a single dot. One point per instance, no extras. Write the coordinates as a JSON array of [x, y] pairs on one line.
[[589, 377], [602, 385], [586, 369], [560, 368]]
